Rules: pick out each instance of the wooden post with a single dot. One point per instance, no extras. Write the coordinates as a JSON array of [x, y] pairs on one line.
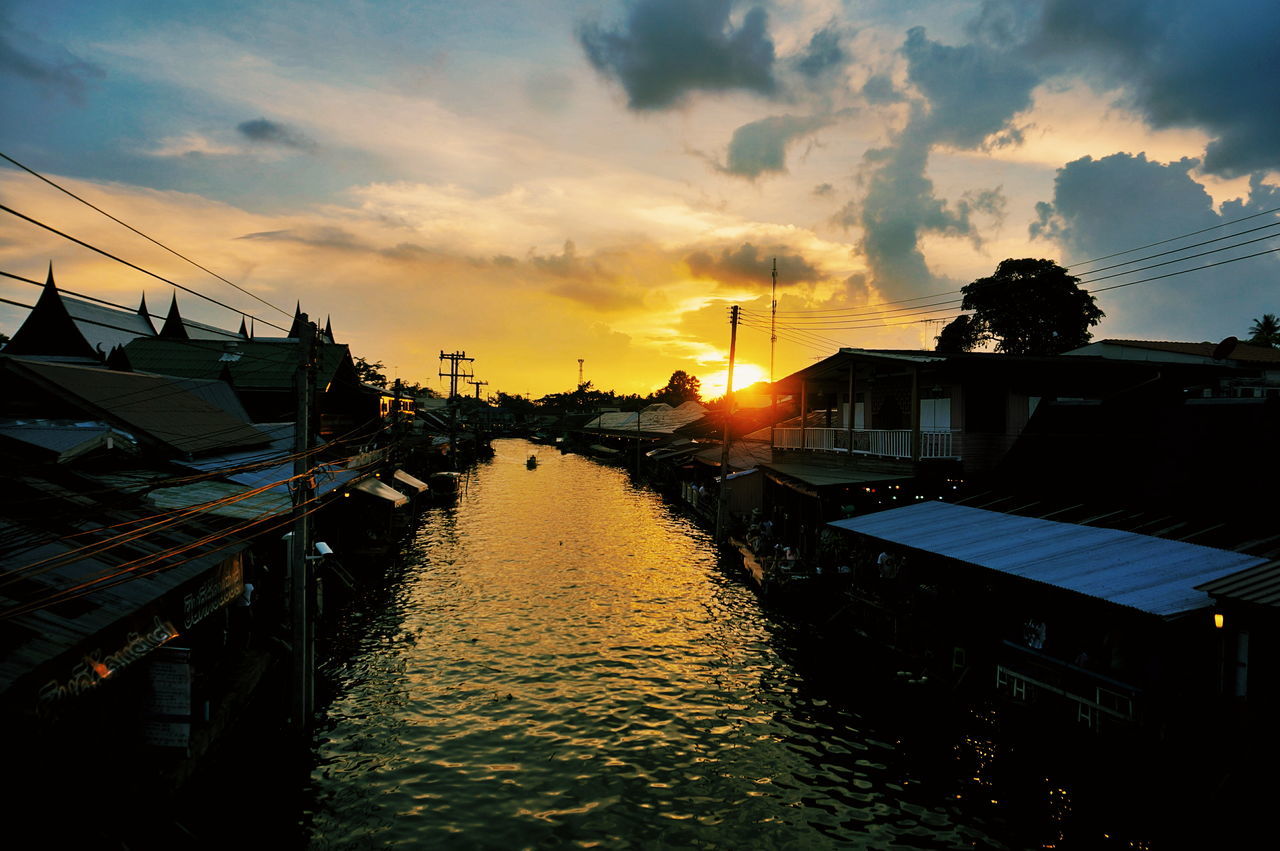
[[853, 408], [915, 414]]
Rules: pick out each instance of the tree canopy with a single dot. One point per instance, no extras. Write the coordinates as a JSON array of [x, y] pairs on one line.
[[1027, 307], [681, 387], [1265, 331]]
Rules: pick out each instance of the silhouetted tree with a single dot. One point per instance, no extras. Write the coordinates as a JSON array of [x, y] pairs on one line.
[[959, 335], [1028, 307], [371, 373], [681, 387], [1265, 331]]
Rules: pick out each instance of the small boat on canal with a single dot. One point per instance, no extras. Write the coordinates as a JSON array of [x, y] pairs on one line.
[[531, 462]]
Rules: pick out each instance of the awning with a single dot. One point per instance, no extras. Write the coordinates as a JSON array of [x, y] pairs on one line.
[[738, 475], [406, 479], [822, 475], [373, 487], [1153, 575]]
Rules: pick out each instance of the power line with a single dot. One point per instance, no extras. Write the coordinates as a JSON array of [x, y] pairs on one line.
[[1172, 239], [135, 266], [92, 206]]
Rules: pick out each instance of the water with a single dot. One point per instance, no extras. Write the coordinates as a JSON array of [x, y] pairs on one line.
[[562, 663]]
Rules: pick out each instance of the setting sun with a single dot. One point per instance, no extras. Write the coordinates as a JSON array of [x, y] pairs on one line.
[[744, 375]]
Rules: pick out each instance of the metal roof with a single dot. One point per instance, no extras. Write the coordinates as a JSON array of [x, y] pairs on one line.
[[1260, 585], [252, 364], [157, 407], [657, 418], [1150, 574]]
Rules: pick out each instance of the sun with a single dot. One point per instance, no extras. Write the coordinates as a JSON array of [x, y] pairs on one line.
[[744, 375]]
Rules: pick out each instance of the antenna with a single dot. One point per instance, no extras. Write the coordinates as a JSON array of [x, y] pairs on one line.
[[580, 361]]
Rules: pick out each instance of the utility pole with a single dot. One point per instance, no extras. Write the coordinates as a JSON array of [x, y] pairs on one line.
[[300, 585], [722, 503], [478, 385], [773, 344], [454, 359]]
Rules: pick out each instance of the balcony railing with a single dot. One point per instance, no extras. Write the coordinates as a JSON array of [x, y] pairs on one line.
[[888, 443]]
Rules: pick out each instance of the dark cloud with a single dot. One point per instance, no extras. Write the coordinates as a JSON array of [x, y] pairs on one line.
[[263, 131], [761, 146], [668, 48], [566, 264], [879, 90], [823, 190], [1116, 203], [970, 95], [504, 261], [317, 237], [973, 90], [823, 55], [52, 68], [1183, 63], [748, 265]]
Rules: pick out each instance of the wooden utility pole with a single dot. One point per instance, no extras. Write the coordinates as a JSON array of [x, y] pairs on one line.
[[723, 502], [454, 374], [302, 629], [773, 344], [478, 385]]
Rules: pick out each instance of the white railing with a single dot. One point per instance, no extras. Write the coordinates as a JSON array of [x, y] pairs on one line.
[[889, 443]]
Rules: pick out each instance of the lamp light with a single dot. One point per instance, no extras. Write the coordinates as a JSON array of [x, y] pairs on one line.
[[1219, 620]]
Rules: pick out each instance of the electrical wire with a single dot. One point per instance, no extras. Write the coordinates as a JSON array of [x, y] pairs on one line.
[[135, 266], [92, 206]]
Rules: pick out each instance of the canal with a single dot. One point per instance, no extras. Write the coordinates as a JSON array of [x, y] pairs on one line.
[[559, 660]]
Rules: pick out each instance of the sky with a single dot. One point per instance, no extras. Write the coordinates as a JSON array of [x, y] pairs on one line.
[[536, 182]]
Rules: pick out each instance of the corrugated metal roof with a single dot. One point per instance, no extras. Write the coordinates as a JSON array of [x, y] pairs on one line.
[[657, 418], [253, 364], [1259, 585], [409, 481], [1151, 574], [65, 439], [106, 327], [152, 405]]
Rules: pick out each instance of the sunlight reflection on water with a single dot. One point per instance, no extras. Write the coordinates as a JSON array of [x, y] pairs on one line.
[[563, 663]]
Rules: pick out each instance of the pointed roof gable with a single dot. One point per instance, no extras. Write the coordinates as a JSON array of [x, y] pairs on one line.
[[244, 331], [299, 321], [173, 328], [50, 330], [146, 314], [328, 330]]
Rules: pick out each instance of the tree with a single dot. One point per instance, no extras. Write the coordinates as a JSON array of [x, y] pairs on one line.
[[1028, 307], [371, 373], [681, 387], [960, 335], [1265, 331]]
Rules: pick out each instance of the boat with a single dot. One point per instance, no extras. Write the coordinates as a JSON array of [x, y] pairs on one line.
[[444, 483], [532, 462]]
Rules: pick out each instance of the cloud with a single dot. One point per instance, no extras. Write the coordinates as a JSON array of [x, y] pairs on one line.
[[823, 55], [747, 265], [761, 146], [266, 132], [315, 236], [1119, 202], [52, 68], [667, 49], [972, 90], [1183, 64], [879, 90], [970, 95]]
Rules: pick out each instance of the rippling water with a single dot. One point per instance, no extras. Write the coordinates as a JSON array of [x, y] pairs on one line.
[[563, 663]]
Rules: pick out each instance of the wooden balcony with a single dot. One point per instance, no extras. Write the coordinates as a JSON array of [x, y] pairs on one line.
[[883, 443]]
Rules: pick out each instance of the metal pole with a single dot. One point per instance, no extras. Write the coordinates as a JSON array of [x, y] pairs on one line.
[[722, 502]]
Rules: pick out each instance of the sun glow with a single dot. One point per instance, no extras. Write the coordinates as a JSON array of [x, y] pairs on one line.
[[744, 375]]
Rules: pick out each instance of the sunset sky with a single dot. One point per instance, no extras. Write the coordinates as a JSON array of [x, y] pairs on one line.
[[534, 181]]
